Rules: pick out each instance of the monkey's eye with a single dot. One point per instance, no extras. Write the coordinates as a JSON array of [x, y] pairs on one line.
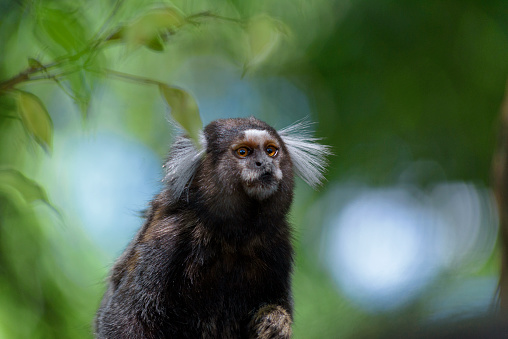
[[271, 150], [242, 152]]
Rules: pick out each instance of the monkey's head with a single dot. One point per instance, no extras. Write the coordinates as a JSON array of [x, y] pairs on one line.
[[246, 157]]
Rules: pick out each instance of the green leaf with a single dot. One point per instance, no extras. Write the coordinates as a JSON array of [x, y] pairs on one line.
[[8, 107], [34, 63], [14, 185], [264, 35], [149, 29], [157, 44], [35, 118], [63, 28], [117, 34], [184, 110], [80, 84]]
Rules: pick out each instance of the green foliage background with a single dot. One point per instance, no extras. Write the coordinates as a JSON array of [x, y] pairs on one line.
[[389, 82]]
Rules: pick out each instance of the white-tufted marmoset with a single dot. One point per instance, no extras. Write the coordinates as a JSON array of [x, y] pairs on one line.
[[214, 257]]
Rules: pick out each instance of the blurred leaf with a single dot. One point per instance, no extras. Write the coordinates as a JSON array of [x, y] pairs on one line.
[[263, 34], [34, 63], [157, 44], [63, 28], [184, 110], [149, 29], [35, 118], [116, 35], [13, 181], [80, 84], [8, 107]]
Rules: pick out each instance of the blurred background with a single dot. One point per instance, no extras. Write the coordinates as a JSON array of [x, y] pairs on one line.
[[407, 93]]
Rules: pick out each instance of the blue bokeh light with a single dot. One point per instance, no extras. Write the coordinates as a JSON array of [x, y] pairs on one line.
[[103, 182], [384, 247]]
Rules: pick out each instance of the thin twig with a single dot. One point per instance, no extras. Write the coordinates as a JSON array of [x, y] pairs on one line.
[[127, 76], [209, 14], [10, 83]]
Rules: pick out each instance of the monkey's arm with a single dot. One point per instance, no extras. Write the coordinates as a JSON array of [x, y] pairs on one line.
[[136, 304]]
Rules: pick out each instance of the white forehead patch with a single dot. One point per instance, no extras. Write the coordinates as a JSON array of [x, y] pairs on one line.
[[257, 135]]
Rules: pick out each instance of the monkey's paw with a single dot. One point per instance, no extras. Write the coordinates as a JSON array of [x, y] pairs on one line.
[[271, 322]]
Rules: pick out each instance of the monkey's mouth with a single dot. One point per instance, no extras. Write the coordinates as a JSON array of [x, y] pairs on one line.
[[266, 177], [261, 187]]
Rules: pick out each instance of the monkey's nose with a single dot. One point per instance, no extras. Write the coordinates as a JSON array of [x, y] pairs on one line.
[[258, 163]]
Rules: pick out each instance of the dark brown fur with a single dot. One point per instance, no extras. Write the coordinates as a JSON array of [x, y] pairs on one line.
[[214, 263]]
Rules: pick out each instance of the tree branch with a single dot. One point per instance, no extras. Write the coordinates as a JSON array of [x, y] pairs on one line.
[[94, 45], [500, 176]]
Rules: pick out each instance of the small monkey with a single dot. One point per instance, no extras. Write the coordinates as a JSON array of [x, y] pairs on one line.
[[214, 257]]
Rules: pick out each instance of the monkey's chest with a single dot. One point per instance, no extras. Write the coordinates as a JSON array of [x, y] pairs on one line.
[[233, 269], [226, 289], [229, 277]]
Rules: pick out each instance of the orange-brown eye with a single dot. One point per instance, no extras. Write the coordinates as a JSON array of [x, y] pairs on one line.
[[271, 150], [242, 152]]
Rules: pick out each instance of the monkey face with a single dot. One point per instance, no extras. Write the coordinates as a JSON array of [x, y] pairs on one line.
[[257, 155], [244, 158]]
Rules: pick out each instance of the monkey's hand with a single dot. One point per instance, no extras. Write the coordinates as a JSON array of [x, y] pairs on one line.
[[271, 322]]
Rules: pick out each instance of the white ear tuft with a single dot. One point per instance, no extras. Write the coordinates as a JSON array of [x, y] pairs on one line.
[[183, 161], [308, 156]]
